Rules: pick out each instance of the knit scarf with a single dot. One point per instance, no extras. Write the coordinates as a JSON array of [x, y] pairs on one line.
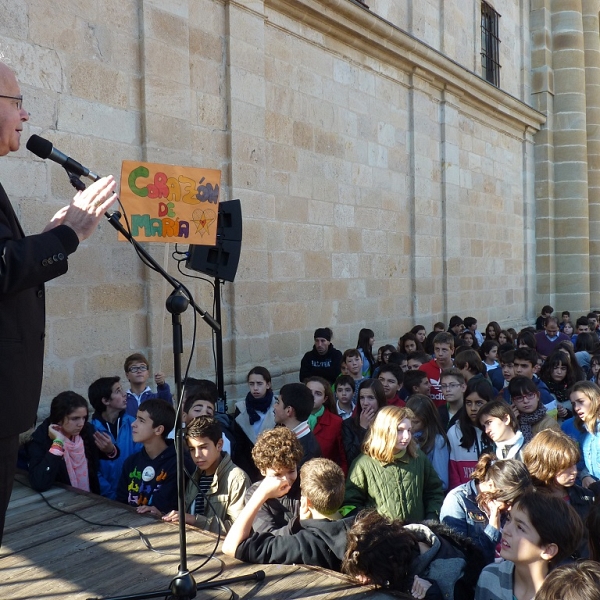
[[314, 417], [559, 389], [256, 405], [76, 462], [527, 420]]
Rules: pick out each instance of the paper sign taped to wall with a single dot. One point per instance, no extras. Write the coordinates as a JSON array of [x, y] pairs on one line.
[[168, 203]]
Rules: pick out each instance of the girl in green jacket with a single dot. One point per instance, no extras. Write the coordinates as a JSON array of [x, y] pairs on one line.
[[392, 474]]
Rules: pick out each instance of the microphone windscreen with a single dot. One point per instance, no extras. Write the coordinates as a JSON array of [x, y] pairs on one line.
[[39, 146]]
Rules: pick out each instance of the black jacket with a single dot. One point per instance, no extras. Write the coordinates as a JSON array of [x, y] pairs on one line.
[[328, 366], [25, 264], [315, 542]]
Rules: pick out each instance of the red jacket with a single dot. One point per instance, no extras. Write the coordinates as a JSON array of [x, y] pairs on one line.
[[328, 432]]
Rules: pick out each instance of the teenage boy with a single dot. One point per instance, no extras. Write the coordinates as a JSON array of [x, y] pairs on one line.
[[344, 396], [137, 371], [525, 364], [548, 339], [215, 494], [323, 360], [443, 348], [566, 318], [471, 325], [391, 378], [201, 403], [416, 359], [453, 385], [292, 409], [277, 454], [149, 477], [415, 382], [507, 364], [593, 323], [109, 401], [318, 540], [353, 362]]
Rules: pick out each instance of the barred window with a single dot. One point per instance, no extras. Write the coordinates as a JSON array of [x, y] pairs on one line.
[[490, 44]]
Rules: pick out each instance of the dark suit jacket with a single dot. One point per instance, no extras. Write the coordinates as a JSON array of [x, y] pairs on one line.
[[25, 264]]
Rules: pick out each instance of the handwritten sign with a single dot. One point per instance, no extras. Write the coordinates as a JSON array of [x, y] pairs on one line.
[[167, 203]]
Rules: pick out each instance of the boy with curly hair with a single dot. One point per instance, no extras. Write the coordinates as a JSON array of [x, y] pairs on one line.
[[319, 539]]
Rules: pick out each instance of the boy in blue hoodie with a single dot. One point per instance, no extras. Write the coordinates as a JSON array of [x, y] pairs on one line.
[[108, 399]]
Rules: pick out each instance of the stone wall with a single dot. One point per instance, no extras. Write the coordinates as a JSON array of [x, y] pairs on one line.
[[382, 184]]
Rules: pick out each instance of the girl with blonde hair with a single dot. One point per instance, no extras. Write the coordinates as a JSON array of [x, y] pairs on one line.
[[392, 474]]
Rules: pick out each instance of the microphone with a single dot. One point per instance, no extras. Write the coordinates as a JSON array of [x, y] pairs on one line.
[[44, 149]]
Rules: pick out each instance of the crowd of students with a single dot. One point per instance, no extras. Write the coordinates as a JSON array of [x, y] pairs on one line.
[[455, 465]]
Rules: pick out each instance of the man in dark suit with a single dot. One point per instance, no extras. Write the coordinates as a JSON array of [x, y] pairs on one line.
[[25, 264]]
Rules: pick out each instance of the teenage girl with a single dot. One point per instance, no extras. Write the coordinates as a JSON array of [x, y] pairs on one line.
[[428, 432], [594, 368], [559, 374], [492, 331], [499, 423], [541, 531], [505, 337], [366, 339], [392, 474], [253, 416], [467, 441], [66, 449], [585, 397], [325, 423], [371, 398], [409, 343], [468, 337], [477, 509], [420, 332]]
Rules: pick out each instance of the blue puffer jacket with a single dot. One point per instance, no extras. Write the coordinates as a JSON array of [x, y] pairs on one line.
[[110, 471]]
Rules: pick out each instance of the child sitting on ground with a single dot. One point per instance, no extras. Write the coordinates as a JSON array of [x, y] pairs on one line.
[[319, 539], [137, 371], [149, 477], [109, 401], [215, 494]]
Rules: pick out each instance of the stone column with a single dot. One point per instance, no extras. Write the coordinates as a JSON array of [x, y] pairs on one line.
[[571, 212], [591, 25]]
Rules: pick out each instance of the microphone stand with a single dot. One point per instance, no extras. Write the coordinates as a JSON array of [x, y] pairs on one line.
[[183, 586]]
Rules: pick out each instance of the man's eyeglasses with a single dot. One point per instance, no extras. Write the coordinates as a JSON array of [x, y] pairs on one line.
[[19, 100], [139, 369]]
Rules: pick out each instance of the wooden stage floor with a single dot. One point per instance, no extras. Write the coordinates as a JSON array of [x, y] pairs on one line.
[[47, 554]]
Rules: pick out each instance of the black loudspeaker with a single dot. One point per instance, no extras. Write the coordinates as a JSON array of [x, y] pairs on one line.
[[221, 261]]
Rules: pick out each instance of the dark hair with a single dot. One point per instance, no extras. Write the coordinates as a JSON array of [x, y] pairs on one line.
[[350, 352], [508, 356], [511, 478], [161, 413], [586, 341], [396, 358], [377, 389], [485, 391], [413, 378], [329, 402], [382, 550], [582, 321], [197, 395], [345, 380], [527, 354], [364, 336], [262, 371], [386, 348], [499, 409], [528, 338], [469, 322], [418, 328], [99, 389], [454, 321], [593, 525], [395, 370], [471, 357], [494, 325], [426, 411], [554, 520], [64, 404], [409, 337], [565, 312], [508, 335], [422, 357], [299, 397], [133, 358], [547, 309], [204, 427], [559, 357], [487, 346], [520, 385], [468, 332]]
